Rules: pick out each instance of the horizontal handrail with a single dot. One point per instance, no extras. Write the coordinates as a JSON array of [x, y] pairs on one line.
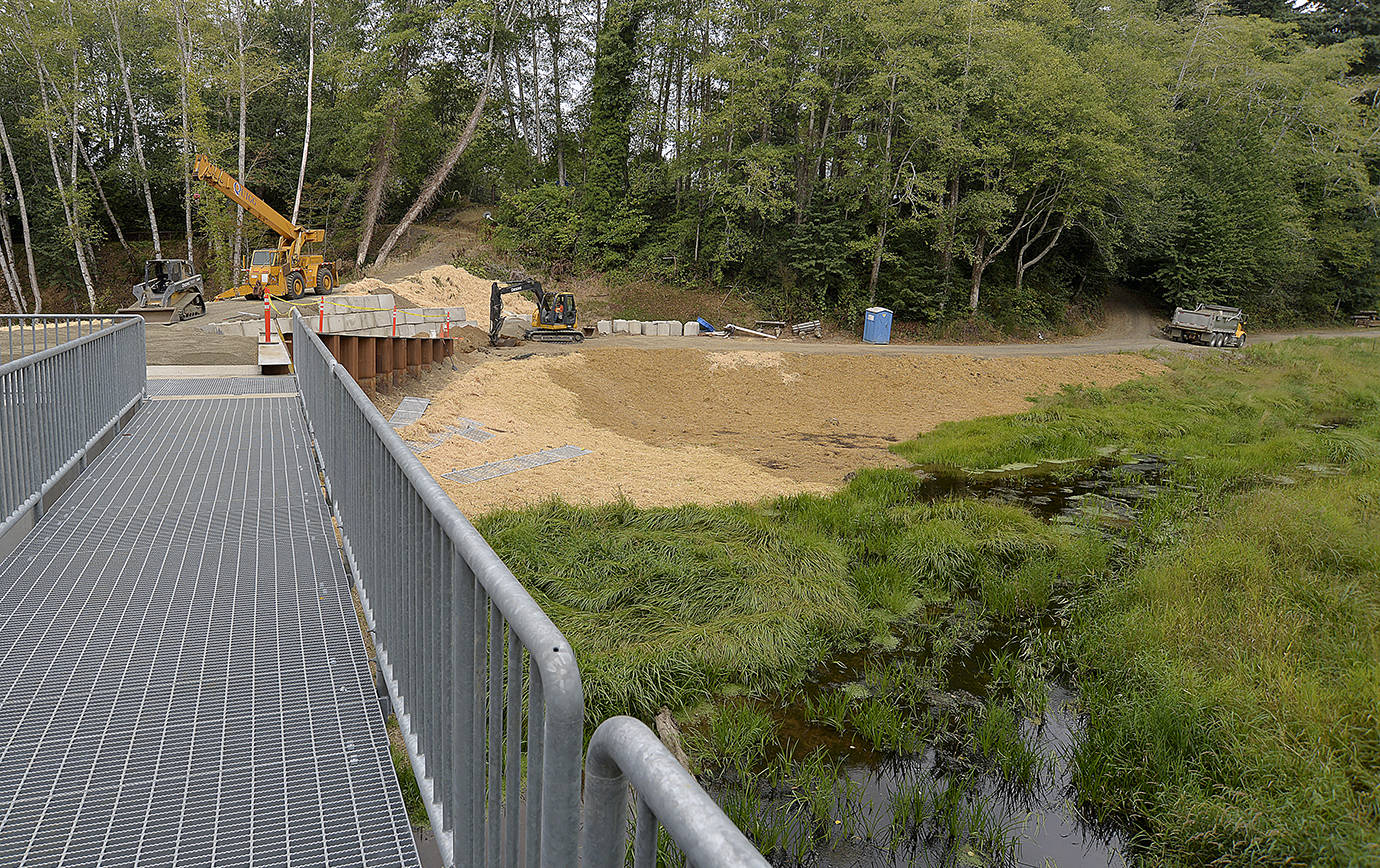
[[460, 644], [57, 406], [624, 751]]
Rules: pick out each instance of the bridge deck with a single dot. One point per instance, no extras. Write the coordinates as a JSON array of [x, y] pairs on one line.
[[185, 682]]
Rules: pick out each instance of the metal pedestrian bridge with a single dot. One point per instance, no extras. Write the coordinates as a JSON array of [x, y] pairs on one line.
[[185, 568]]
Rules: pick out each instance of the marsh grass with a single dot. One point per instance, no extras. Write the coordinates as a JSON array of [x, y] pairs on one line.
[[1226, 642]]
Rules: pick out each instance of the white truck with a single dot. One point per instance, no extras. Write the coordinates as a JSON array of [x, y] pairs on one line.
[[1211, 325]]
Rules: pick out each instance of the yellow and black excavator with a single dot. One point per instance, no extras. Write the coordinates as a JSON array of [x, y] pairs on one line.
[[553, 320], [289, 270]]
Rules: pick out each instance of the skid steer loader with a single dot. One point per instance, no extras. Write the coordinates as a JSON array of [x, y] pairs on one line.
[[171, 292]]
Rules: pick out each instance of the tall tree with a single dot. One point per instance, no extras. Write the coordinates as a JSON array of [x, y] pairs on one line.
[[134, 127]]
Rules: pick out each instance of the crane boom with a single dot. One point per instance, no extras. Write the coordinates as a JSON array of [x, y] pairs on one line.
[[239, 194], [289, 270]]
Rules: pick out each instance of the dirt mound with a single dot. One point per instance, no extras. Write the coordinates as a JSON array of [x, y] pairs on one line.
[[677, 426], [444, 286]]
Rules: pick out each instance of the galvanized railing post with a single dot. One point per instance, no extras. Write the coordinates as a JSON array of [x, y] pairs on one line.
[[624, 751]]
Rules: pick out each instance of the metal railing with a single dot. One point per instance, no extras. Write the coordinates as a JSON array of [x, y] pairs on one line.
[[456, 636], [59, 405], [23, 334], [624, 751]]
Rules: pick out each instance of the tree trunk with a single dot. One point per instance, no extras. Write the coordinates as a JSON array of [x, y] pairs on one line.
[[536, 97], [184, 50], [306, 137], [376, 182], [100, 191], [1022, 264], [236, 252], [438, 177], [23, 217], [876, 266], [979, 265], [134, 131], [555, 34], [62, 189], [7, 259]]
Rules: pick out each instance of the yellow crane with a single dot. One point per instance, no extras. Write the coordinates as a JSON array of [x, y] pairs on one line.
[[288, 270]]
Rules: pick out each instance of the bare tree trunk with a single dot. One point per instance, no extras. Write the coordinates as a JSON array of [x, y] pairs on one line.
[[536, 97], [23, 217], [184, 50], [876, 266], [555, 34], [507, 97], [134, 130], [12, 284], [63, 189], [1022, 264], [237, 251], [522, 101], [306, 137], [886, 203], [979, 265], [438, 177], [376, 182], [100, 191]]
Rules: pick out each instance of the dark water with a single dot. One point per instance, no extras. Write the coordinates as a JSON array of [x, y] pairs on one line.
[[998, 823], [1108, 491]]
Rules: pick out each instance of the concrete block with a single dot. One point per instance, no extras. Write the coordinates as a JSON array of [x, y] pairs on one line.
[[663, 329], [675, 329], [604, 327], [634, 327], [620, 326], [692, 329]]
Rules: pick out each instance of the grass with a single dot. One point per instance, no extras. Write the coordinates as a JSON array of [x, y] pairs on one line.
[[1227, 643]]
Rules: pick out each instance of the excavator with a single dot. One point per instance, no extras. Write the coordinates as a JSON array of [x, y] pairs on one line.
[[287, 270], [553, 320]]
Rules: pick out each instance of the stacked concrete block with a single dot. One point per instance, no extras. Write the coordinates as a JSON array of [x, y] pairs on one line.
[[674, 328], [663, 328], [634, 327], [604, 327], [620, 326], [692, 329]]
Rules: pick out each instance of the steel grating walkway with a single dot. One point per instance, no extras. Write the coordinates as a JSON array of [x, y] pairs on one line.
[[185, 682]]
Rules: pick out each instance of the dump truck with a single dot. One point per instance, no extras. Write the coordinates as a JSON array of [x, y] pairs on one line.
[[1212, 325], [290, 269], [171, 292]]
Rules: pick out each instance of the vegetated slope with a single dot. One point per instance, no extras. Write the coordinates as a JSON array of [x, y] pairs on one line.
[[1225, 639]]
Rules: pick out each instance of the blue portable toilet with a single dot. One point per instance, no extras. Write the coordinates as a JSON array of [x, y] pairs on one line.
[[877, 326]]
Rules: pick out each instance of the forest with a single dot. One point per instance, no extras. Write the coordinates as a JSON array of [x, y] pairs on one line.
[[999, 159]]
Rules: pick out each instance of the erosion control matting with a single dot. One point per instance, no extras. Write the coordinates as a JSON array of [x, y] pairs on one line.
[[409, 411], [185, 680], [513, 465]]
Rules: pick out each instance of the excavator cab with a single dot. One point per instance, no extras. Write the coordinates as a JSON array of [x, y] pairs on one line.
[[557, 311]]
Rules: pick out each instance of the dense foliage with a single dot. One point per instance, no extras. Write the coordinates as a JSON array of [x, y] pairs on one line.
[[998, 156]]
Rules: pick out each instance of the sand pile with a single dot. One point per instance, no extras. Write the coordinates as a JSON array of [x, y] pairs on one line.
[[677, 426], [444, 286]]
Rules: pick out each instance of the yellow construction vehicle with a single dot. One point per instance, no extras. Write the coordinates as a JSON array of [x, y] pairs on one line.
[[289, 270]]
